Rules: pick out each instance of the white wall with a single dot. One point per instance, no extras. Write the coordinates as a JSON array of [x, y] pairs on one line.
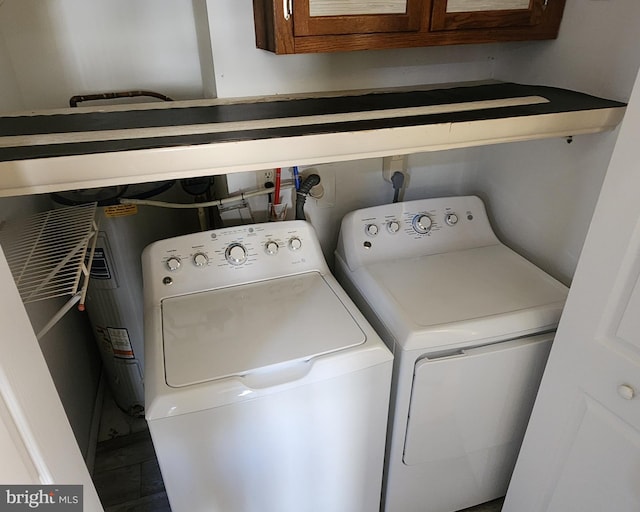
[[542, 194], [59, 48], [596, 51], [10, 98], [243, 70]]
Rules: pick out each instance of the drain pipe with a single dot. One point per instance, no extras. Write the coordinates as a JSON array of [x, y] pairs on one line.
[[301, 194]]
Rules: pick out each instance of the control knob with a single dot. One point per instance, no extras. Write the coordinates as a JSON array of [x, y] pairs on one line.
[[422, 223], [236, 254], [295, 243], [271, 248], [393, 226], [173, 263], [371, 229], [200, 259], [451, 219]]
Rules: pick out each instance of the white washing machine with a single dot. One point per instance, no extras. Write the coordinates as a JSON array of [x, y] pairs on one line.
[[266, 389], [471, 324]]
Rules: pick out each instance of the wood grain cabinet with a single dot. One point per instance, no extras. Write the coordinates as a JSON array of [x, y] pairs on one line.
[[307, 26]]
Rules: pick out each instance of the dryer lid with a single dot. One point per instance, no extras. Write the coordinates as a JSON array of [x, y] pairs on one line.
[[482, 288], [241, 329]]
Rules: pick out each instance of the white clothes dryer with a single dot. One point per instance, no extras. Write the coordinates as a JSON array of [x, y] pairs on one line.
[[266, 389], [471, 324]]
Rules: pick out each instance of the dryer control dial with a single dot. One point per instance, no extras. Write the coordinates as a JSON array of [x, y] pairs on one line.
[[173, 263], [236, 254], [422, 223], [451, 219]]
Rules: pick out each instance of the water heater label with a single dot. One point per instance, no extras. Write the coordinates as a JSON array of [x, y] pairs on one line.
[[120, 343], [120, 210]]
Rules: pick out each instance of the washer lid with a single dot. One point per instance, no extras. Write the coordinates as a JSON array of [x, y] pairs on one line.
[[236, 330]]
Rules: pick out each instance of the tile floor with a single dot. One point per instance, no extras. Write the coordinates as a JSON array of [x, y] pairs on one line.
[[128, 479], [127, 476]]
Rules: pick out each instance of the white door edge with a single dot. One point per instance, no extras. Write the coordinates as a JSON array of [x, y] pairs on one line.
[[33, 416]]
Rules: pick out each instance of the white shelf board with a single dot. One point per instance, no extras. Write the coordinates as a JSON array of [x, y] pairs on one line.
[[223, 144], [44, 175]]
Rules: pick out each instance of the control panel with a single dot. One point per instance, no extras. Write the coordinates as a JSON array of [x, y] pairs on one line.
[[413, 228], [230, 256]]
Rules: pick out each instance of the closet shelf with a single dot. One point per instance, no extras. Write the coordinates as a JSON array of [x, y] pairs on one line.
[[50, 255], [50, 151]]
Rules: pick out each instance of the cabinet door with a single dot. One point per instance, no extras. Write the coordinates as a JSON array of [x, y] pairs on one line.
[[327, 17], [470, 14]]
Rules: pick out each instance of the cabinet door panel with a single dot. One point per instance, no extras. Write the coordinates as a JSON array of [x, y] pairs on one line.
[[485, 5], [353, 7], [333, 17], [469, 14]]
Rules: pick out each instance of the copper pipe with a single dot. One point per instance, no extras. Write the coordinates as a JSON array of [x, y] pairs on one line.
[[74, 100]]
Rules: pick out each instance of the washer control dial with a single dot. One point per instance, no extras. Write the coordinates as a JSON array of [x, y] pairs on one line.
[[393, 226], [451, 219], [295, 243], [422, 223], [371, 229], [200, 259], [236, 254], [173, 263], [271, 248]]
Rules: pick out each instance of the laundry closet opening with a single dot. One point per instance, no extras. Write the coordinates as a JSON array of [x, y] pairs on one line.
[[438, 153]]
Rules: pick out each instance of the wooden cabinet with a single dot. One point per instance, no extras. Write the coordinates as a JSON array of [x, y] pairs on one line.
[[328, 17], [307, 26], [477, 14]]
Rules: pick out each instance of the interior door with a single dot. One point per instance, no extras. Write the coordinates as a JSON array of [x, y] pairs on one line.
[[37, 445], [582, 448]]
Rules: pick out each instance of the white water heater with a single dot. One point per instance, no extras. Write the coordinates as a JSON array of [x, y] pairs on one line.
[[114, 296]]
